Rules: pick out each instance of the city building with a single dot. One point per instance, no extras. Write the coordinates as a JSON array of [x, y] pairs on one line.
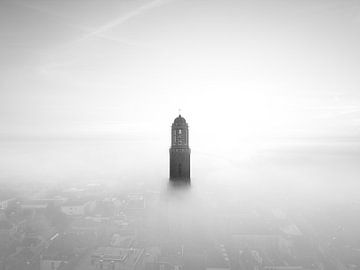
[[6, 201], [59, 252], [76, 207], [114, 258], [65, 250]]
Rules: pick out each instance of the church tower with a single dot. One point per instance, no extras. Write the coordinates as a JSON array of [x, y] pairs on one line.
[[180, 151]]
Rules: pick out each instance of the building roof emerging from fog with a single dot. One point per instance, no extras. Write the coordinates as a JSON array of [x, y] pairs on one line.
[[34, 204], [126, 256], [76, 202]]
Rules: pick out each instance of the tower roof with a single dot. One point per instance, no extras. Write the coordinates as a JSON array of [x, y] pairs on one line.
[[180, 120]]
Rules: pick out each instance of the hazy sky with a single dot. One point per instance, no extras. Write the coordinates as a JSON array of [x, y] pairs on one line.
[[238, 69]]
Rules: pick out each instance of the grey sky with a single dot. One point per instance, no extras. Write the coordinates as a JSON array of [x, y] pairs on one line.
[[255, 68]]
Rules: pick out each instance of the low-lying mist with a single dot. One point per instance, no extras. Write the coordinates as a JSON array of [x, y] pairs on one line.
[[303, 175], [303, 191]]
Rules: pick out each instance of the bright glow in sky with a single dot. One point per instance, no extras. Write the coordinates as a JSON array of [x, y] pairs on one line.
[[240, 70]]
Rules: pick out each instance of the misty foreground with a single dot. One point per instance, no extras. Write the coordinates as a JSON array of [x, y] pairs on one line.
[[107, 205]]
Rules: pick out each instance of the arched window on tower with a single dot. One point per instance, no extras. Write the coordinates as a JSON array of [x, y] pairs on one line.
[[180, 169]]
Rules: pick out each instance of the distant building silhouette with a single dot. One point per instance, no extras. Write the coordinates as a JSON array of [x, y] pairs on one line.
[[180, 151]]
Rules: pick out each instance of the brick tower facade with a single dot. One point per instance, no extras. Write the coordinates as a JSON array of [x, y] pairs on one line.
[[180, 151]]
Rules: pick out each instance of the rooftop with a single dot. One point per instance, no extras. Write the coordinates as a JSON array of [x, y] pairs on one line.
[[179, 121], [129, 256]]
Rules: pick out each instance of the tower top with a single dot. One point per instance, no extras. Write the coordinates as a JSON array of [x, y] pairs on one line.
[[179, 121]]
